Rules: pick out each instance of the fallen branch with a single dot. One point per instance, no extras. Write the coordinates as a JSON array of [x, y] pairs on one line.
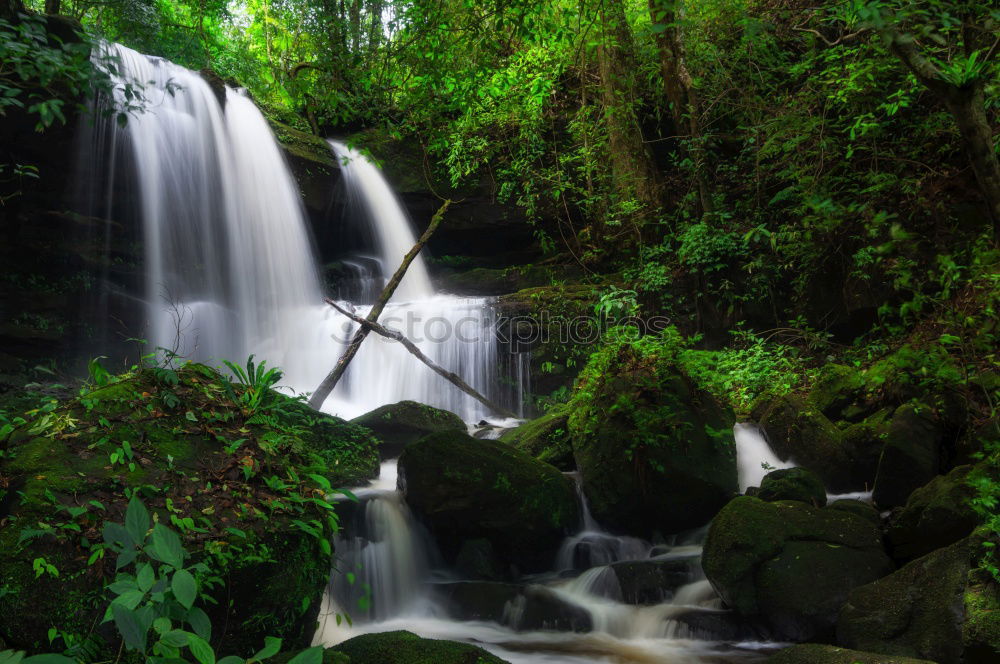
[[452, 377], [331, 380]]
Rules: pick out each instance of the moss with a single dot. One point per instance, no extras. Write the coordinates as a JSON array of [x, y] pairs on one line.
[[655, 452], [303, 145], [934, 516], [761, 557], [400, 424], [408, 648], [981, 629], [836, 387], [468, 489], [546, 438], [793, 484]]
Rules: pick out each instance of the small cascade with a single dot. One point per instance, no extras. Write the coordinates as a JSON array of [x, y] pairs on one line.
[[754, 457]]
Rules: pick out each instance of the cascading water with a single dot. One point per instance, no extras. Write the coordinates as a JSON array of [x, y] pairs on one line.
[[229, 268]]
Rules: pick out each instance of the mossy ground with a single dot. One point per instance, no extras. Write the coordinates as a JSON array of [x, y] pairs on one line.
[[234, 481]]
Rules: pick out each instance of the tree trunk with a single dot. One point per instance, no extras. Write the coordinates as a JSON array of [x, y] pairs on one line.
[[685, 108], [9, 9], [53, 6], [968, 108], [330, 382], [967, 105], [632, 167]]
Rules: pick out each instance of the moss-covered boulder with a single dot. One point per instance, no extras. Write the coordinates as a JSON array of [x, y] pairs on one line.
[[912, 455], [814, 653], [655, 452], [800, 432], [763, 559], [916, 611], [400, 424], [793, 484], [837, 392], [468, 489], [408, 648], [231, 477], [936, 515], [546, 438]]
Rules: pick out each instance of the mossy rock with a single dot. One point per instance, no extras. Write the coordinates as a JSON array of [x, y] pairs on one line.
[[408, 648], [647, 582], [763, 559], [801, 433], [912, 455], [835, 389], [192, 454], [936, 515], [857, 507], [981, 629], [814, 653], [400, 424], [546, 438], [467, 489], [916, 611], [792, 484], [655, 452], [537, 607]]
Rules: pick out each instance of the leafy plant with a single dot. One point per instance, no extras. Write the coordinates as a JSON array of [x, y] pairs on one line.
[[257, 382]]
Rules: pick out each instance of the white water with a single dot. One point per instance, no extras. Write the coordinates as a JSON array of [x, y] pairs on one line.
[[229, 268], [754, 457], [389, 541]]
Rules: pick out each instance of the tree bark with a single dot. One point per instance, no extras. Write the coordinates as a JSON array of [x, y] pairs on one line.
[[967, 106], [632, 166], [9, 9], [450, 376], [331, 380], [685, 108], [53, 6]]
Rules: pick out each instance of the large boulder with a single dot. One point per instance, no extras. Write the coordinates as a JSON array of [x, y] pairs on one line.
[[400, 424], [763, 560], [468, 489], [936, 515], [655, 453], [408, 648], [653, 581], [792, 484], [801, 432], [546, 438], [912, 455], [936, 607], [814, 653]]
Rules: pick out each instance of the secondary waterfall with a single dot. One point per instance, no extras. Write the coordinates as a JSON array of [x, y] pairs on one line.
[[229, 268]]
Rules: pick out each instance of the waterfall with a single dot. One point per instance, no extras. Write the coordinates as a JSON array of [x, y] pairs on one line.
[[228, 264], [754, 457]]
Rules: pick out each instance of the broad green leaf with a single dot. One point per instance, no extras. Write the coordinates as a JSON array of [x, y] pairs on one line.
[[312, 655], [272, 645], [200, 623], [48, 659], [200, 649], [167, 546], [129, 626], [136, 520], [146, 577], [185, 588]]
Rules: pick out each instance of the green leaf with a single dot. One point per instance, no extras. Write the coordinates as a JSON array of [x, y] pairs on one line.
[[129, 599], [313, 655], [129, 626], [146, 577], [136, 520], [11, 656], [176, 638], [232, 659], [167, 546], [200, 649], [200, 623], [185, 588], [47, 659], [272, 645]]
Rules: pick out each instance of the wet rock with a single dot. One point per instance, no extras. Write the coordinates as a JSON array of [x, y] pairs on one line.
[[935, 515], [655, 453], [653, 581], [911, 456], [931, 608], [518, 607], [408, 648], [400, 424], [793, 484], [710, 625], [467, 489], [858, 508], [476, 559], [545, 438], [763, 560], [814, 653]]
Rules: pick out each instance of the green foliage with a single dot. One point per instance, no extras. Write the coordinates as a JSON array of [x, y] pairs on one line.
[[985, 481], [257, 382]]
